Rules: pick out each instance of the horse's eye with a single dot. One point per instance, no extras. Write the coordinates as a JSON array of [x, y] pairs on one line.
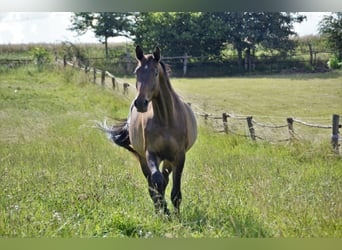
[[156, 72]]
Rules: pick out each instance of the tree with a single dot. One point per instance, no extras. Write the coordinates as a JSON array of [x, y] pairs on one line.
[[205, 33], [103, 24], [272, 30], [194, 33], [330, 28]]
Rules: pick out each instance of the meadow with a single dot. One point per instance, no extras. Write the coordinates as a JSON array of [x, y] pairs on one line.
[[60, 177]]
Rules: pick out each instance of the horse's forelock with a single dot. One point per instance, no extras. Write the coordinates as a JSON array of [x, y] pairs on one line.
[[166, 67]]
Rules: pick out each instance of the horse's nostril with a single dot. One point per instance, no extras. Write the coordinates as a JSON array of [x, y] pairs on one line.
[[145, 103]]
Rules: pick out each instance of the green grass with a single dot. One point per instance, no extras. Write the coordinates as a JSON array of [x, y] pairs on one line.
[[310, 95], [59, 177]]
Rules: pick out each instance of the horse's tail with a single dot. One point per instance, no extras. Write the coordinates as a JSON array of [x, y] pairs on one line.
[[118, 134]]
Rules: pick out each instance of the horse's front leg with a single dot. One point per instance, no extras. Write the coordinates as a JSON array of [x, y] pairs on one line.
[[176, 194], [157, 183]]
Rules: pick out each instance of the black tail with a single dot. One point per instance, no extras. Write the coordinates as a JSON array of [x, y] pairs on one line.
[[118, 134]]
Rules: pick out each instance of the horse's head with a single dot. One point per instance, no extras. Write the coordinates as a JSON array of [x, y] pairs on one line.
[[147, 78]]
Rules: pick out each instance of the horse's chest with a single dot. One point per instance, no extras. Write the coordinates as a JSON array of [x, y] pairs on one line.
[[164, 142]]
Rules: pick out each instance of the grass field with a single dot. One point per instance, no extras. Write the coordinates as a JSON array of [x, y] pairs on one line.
[[59, 177]]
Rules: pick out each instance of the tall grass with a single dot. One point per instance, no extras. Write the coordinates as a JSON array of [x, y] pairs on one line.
[[59, 177]]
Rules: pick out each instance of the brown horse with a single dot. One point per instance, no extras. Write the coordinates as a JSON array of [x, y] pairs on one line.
[[160, 128]]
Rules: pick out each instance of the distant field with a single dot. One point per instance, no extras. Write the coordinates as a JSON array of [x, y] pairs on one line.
[[298, 95], [59, 177]]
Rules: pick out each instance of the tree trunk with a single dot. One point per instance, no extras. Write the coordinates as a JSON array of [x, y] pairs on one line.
[[106, 46], [248, 60], [311, 54], [239, 57]]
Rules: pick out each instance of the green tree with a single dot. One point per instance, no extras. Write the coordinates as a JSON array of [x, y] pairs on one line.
[[272, 30], [103, 24], [330, 28], [205, 33], [194, 33]]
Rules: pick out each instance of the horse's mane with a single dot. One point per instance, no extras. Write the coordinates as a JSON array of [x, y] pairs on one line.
[[167, 71], [166, 68]]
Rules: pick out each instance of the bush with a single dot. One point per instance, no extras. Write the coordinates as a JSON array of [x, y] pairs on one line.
[[41, 56], [334, 63]]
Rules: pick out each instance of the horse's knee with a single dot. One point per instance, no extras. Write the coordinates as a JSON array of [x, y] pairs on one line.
[[156, 187], [158, 182]]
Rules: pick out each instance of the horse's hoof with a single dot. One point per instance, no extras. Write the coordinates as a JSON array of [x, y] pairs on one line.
[[167, 212]]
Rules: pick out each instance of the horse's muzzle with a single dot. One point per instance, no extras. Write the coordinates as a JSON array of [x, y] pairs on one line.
[[141, 105]]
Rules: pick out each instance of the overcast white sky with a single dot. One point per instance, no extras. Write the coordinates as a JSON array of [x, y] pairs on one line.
[[52, 27]]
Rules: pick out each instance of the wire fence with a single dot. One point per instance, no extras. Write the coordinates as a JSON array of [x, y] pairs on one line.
[[247, 126]]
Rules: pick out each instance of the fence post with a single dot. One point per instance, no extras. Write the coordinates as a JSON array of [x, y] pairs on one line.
[[250, 126], [94, 71], [206, 119], [225, 122], [113, 82], [185, 64], [335, 133], [64, 61], [74, 59], [290, 127], [125, 91], [103, 77]]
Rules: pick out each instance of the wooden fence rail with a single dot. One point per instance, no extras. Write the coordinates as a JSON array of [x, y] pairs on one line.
[[251, 123]]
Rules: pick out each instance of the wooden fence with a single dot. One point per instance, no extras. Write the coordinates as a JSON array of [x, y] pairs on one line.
[[100, 76], [290, 121]]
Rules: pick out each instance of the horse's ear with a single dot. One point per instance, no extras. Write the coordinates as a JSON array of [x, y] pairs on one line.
[[156, 54], [139, 53]]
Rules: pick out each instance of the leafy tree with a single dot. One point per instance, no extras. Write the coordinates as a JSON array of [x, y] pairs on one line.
[[205, 33], [331, 28], [272, 30], [194, 33], [103, 24]]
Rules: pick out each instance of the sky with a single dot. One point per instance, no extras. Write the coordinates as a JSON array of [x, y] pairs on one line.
[[52, 27]]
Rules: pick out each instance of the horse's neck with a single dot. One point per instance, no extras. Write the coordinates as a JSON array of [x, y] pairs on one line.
[[163, 105]]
